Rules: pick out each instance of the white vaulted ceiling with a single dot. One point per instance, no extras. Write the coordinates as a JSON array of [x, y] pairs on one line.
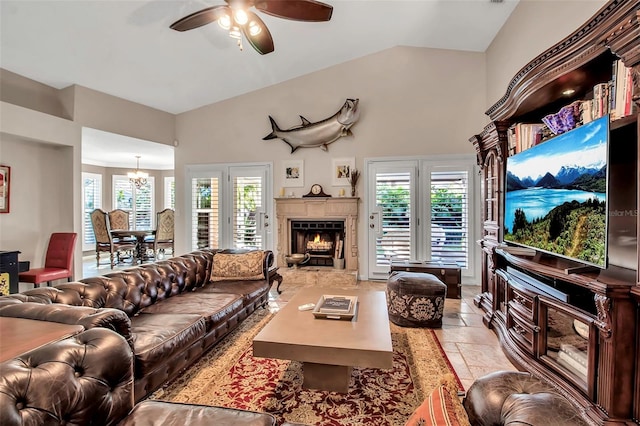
[[126, 48]]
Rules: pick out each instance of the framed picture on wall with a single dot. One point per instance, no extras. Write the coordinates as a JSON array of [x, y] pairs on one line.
[[5, 181], [293, 173], [341, 170]]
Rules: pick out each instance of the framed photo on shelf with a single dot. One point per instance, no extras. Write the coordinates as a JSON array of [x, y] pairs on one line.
[[293, 173], [341, 170], [5, 182]]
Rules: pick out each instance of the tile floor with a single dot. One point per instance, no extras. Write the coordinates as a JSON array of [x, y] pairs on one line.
[[472, 348]]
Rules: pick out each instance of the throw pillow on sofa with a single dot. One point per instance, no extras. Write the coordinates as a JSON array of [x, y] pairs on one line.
[[442, 407], [238, 266]]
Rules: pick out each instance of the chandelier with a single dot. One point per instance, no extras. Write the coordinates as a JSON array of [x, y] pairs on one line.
[[138, 177]]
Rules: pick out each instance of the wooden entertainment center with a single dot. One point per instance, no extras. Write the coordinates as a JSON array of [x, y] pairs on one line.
[[576, 327]]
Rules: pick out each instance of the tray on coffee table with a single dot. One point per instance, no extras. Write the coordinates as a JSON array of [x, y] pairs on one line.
[[336, 307]]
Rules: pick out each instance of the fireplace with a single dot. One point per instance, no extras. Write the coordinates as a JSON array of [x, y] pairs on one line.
[[322, 240], [334, 220]]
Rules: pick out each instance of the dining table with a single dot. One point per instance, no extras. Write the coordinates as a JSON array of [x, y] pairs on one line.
[[139, 235]]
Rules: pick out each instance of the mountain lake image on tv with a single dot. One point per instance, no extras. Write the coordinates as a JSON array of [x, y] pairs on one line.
[[556, 195]]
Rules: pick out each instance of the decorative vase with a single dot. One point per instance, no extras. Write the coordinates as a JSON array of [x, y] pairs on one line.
[[353, 191]]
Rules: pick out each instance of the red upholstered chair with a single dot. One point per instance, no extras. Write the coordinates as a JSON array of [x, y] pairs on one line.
[[58, 263]]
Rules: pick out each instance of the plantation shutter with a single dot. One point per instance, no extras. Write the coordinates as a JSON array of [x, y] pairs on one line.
[[170, 193], [247, 205], [138, 202], [450, 217], [393, 198], [91, 200], [144, 214], [123, 196], [205, 208]]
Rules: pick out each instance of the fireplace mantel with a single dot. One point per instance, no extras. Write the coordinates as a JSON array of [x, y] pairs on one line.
[[330, 208]]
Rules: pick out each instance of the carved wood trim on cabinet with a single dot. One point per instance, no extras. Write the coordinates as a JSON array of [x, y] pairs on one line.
[[611, 390]]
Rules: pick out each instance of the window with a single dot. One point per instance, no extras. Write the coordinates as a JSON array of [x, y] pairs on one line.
[[170, 192], [393, 197], [450, 217], [229, 207], [205, 208], [138, 202], [91, 200], [247, 205]]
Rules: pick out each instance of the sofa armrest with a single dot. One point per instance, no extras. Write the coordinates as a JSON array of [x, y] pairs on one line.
[[113, 319], [85, 379], [268, 261]]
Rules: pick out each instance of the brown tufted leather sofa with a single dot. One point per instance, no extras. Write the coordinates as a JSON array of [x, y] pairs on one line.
[[88, 380], [168, 312]]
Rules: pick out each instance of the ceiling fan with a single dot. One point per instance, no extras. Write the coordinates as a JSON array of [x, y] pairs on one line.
[[239, 20]]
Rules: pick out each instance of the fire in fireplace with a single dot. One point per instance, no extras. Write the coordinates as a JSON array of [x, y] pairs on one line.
[[323, 240]]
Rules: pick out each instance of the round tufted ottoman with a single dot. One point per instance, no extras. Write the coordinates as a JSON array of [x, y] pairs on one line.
[[415, 299]]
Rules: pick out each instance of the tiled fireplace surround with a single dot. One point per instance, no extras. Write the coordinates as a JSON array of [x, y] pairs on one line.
[[317, 209]]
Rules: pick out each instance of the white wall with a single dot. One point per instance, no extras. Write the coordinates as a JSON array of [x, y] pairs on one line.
[[533, 27], [44, 155], [413, 101]]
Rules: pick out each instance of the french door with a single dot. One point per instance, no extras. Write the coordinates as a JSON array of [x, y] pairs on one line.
[[419, 210], [391, 214], [230, 206]]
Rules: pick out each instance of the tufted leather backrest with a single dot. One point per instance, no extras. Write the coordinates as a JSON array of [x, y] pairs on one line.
[[132, 289], [82, 380]]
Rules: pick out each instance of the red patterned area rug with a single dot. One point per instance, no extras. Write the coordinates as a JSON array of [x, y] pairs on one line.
[[229, 375]]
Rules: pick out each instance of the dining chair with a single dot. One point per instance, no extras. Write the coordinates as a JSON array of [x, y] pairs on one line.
[[119, 220], [105, 241], [163, 237], [58, 263]]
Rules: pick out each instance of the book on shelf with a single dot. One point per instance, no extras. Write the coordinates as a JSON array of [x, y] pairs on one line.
[[613, 97], [521, 136], [621, 82], [336, 304]]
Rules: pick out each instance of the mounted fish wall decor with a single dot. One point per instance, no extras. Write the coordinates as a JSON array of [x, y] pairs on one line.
[[321, 133]]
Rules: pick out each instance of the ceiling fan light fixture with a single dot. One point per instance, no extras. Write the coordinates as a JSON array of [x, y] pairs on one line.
[[254, 29], [225, 22], [234, 32], [240, 16]]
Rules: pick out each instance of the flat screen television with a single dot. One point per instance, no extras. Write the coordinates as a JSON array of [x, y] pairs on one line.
[[556, 195]]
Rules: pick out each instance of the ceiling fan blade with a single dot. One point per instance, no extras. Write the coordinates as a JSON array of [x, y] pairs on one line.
[[297, 10], [262, 41], [200, 18]]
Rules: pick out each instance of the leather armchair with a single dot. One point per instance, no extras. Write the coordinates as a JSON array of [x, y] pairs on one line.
[[517, 398], [88, 379]]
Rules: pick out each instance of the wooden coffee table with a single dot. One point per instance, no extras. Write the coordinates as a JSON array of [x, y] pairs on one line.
[[329, 348], [20, 335]]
